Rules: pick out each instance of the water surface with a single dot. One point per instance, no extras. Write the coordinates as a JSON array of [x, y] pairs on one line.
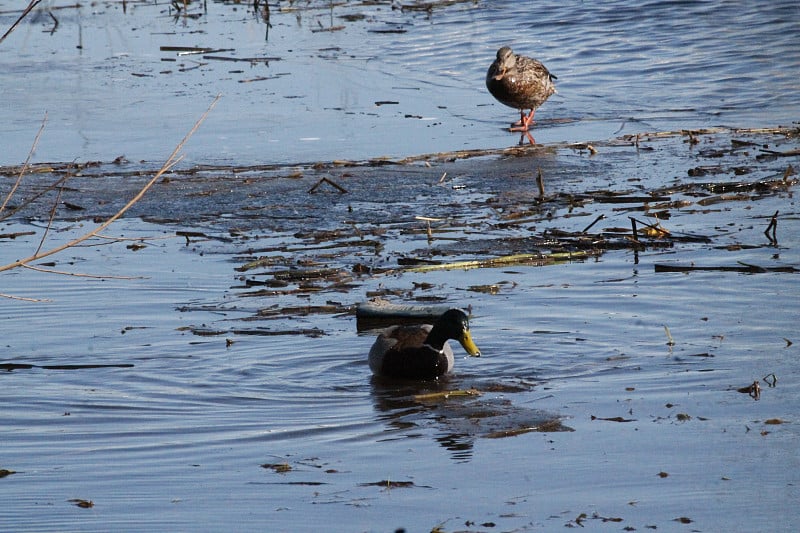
[[192, 403], [108, 88]]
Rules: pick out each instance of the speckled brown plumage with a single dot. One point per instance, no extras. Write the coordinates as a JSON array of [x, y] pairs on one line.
[[519, 82]]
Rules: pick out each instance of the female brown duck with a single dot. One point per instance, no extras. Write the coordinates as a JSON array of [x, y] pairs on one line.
[[421, 351], [519, 82]]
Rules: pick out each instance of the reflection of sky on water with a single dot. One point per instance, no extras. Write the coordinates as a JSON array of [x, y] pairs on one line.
[[620, 70]]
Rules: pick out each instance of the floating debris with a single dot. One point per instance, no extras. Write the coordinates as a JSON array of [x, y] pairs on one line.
[[446, 395], [83, 504], [614, 419], [753, 390], [279, 468], [388, 484]]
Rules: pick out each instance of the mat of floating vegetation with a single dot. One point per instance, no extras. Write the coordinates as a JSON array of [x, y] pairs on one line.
[[326, 228]]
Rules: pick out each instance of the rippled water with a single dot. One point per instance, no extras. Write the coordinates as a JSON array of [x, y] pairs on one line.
[[177, 441], [621, 68]]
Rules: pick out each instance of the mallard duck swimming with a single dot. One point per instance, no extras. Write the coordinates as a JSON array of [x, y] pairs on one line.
[[519, 82], [421, 351]]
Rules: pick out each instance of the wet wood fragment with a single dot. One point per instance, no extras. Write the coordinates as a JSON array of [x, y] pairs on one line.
[[308, 332], [329, 182], [328, 29], [16, 234], [26, 366], [446, 395], [613, 199], [744, 268], [83, 504], [72, 207], [503, 433], [260, 78], [638, 245], [388, 484], [595, 221], [613, 419], [387, 30], [723, 198], [776, 153], [485, 289], [515, 259], [279, 468], [304, 310], [771, 379]]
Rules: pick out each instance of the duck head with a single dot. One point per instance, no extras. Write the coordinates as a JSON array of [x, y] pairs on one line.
[[506, 60], [454, 324]]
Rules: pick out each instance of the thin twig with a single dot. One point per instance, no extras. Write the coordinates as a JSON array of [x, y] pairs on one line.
[[79, 274], [50, 220], [28, 201], [25, 165], [171, 161], [28, 9], [329, 182], [598, 219]]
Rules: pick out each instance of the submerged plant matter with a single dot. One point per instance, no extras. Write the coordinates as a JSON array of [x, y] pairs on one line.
[[473, 209]]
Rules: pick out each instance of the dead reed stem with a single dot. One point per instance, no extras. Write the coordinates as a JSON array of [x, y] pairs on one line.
[[49, 221], [25, 165], [28, 9], [171, 161], [540, 184]]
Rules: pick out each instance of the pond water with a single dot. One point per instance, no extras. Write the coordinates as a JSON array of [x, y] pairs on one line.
[[175, 389], [620, 68]]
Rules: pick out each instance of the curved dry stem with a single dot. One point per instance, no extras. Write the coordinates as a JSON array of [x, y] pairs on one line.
[[171, 161], [27, 10], [24, 166]]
